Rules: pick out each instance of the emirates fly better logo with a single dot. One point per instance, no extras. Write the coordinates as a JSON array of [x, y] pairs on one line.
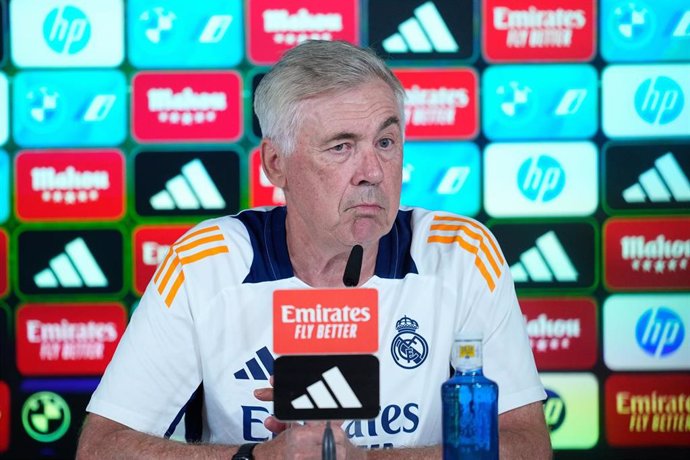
[[59, 339], [647, 253], [538, 30], [187, 106], [440, 104]]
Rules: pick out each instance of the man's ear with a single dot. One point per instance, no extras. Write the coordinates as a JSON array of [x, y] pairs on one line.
[[273, 163]]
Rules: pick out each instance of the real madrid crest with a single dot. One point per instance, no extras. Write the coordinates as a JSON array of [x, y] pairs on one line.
[[409, 349]]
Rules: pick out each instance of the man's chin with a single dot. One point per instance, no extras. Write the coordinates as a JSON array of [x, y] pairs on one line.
[[366, 229]]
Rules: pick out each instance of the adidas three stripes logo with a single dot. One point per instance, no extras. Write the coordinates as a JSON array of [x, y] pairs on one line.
[[74, 268], [425, 32], [192, 189], [330, 392], [545, 262], [664, 182], [257, 369]]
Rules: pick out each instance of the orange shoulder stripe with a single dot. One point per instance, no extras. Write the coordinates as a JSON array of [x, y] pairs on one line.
[[478, 227]]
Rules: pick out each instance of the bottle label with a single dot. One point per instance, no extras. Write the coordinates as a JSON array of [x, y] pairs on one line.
[[467, 355]]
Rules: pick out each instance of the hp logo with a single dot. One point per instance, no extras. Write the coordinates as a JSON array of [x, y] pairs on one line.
[[66, 30], [659, 331], [659, 100], [554, 410], [541, 179]]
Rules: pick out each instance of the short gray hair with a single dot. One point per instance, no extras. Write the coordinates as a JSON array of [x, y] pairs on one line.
[[312, 69]]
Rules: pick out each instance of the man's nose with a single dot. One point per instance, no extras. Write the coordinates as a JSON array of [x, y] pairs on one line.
[[369, 169]]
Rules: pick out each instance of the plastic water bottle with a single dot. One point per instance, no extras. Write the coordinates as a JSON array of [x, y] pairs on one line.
[[470, 405]]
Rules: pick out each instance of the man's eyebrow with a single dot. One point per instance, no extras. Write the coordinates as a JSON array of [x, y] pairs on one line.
[[392, 120], [345, 135]]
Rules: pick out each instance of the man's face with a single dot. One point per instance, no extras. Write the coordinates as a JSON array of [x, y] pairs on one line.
[[342, 182]]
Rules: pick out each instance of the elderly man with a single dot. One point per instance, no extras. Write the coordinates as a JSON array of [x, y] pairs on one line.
[[332, 119]]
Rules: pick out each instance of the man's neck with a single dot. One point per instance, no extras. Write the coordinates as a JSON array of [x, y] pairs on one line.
[[321, 266]]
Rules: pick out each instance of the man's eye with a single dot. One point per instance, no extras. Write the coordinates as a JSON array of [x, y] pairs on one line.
[[385, 143], [339, 148]]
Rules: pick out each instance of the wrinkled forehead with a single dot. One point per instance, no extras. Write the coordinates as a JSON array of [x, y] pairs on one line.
[[372, 99]]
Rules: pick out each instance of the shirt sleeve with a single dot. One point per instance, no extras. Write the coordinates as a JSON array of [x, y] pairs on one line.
[[156, 367], [494, 311]]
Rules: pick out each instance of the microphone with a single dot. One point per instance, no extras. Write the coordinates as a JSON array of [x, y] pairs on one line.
[[353, 267]]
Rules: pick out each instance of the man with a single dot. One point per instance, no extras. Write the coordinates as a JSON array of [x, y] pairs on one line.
[[332, 119]]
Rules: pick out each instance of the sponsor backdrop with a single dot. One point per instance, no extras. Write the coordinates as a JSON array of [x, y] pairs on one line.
[[562, 124]]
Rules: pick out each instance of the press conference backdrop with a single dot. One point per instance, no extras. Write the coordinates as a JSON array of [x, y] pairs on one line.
[[562, 124]]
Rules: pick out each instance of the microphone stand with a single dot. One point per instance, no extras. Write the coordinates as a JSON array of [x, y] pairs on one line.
[[353, 268]]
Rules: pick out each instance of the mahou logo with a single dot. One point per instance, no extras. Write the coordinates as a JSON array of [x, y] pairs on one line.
[[151, 244], [647, 253], [70, 185], [278, 25], [648, 410], [440, 104], [59, 339], [538, 30], [187, 106], [562, 332], [261, 191]]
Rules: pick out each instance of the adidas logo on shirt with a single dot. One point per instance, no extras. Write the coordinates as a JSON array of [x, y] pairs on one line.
[[330, 392], [192, 189], [545, 262], [665, 182], [425, 32], [74, 268], [257, 369]]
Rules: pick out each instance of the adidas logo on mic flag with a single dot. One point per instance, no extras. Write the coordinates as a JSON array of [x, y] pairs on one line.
[[322, 387]]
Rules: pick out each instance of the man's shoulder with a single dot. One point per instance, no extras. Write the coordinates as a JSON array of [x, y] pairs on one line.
[[446, 228], [445, 237], [220, 245]]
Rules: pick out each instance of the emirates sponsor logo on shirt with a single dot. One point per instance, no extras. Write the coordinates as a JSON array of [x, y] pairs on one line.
[[59, 339], [187, 106], [70, 185], [277, 25], [440, 104], [647, 253], [539, 30], [562, 332], [648, 410], [151, 244], [261, 191]]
